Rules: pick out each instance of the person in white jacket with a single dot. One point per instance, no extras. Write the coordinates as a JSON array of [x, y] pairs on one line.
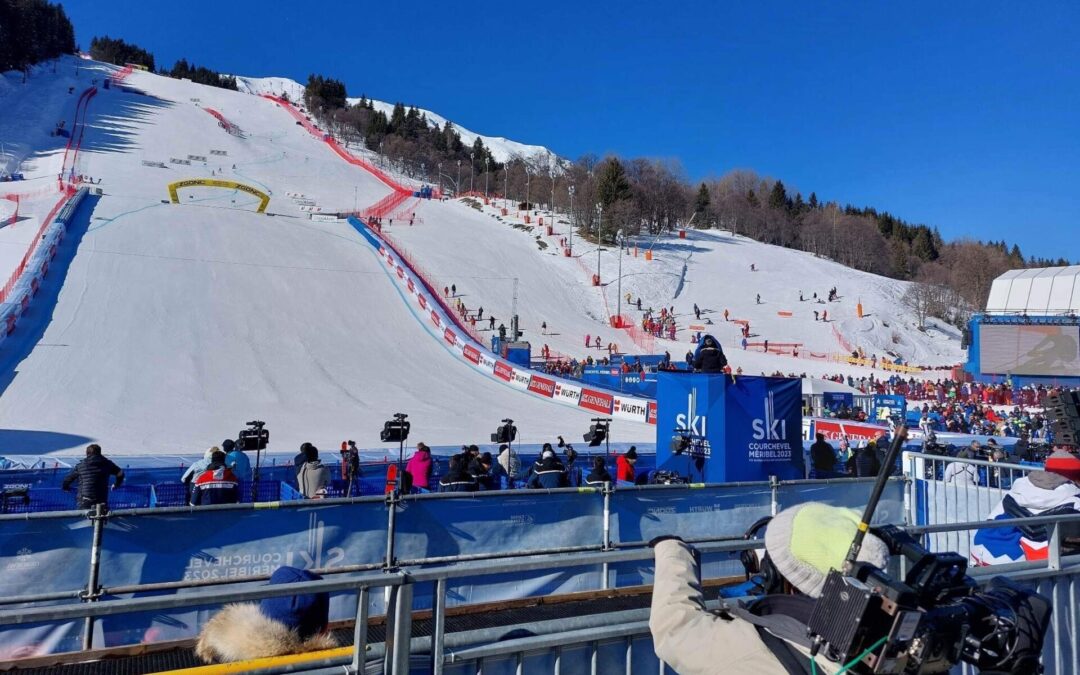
[[962, 472], [802, 544]]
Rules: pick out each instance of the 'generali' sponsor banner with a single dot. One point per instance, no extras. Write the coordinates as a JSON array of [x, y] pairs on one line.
[[568, 393], [596, 401], [630, 409], [471, 353], [449, 336], [542, 386], [435, 318], [651, 418], [503, 371], [520, 378], [487, 363], [835, 430]]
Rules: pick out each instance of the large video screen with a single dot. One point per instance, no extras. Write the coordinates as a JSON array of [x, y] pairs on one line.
[[1052, 351]]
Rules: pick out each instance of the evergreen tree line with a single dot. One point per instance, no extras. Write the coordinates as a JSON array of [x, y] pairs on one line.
[[405, 137], [32, 31], [120, 52]]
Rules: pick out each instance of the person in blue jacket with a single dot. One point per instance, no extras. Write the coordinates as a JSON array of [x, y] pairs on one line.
[[549, 473], [457, 479], [709, 357], [237, 460]]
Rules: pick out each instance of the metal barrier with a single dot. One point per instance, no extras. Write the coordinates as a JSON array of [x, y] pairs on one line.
[[183, 549], [605, 642], [950, 489]]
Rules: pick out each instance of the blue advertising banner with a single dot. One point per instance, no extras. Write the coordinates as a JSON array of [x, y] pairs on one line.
[[889, 405], [835, 401], [745, 430]]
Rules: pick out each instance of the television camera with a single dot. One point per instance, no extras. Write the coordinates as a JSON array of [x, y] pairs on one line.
[[255, 437], [933, 619], [506, 433]]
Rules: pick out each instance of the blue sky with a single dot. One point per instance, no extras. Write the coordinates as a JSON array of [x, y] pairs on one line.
[[963, 115]]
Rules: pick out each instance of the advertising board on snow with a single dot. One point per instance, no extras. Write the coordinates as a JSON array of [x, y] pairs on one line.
[[422, 300], [471, 353], [449, 336], [630, 409], [597, 401], [503, 371], [520, 378], [567, 393], [486, 363], [651, 414], [542, 386], [435, 319]]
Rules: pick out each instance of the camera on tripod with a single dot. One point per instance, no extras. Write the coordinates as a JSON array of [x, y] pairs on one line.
[[506, 433], [255, 437], [395, 430]]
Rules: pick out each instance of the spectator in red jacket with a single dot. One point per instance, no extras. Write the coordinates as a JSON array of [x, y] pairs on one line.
[[217, 485], [624, 466]]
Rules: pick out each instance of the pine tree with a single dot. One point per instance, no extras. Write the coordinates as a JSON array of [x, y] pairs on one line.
[[611, 182], [778, 198], [701, 203], [813, 203]]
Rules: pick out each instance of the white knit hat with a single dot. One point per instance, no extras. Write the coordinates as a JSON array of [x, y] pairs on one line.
[[804, 542]]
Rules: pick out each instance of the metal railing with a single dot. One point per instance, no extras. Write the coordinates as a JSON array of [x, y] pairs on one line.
[[470, 651]]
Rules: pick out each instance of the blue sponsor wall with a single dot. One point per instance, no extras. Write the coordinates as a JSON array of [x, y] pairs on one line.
[[743, 430]]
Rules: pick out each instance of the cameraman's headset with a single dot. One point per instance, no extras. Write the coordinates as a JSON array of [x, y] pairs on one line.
[[759, 567]]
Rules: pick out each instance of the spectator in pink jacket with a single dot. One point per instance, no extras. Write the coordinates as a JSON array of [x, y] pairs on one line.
[[419, 469]]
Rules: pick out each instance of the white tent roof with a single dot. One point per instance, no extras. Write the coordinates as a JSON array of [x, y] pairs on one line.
[[1042, 291], [812, 385]]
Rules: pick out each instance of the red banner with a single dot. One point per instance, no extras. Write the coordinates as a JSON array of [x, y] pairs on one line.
[[449, 336], [651, 418], [542, 386], [412, 288], [835, 430], [435, 318], [423, 302], [503, 371], [401, 273], [596, 401], [472, 353]]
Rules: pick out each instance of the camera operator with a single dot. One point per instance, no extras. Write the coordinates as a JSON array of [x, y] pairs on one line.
[[768, 635]]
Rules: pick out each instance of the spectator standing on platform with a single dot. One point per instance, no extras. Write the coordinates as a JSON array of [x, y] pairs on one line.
[[237, 460], [196, 468], [549, 473], [457, 479], [624, 466], [710, 356], [216, 485], [419, 469], [92, 475], [822, 455], [313, 478], [599, 474]]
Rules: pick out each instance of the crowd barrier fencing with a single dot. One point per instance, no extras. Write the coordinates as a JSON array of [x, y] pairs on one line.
[[610, 641], [148, 551]]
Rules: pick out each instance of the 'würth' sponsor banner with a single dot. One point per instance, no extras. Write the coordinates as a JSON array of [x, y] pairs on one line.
[[503, 371], [542, 386], [651, 419], [487, 363], [471, 353], [630, 409], [568, 393], [520, 378], [435, 319], [595, 400], [422, 301], [449, 336]]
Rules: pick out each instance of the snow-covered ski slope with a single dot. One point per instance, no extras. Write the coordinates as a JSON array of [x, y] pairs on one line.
[[175, 324], [481, 252], [501, 148]]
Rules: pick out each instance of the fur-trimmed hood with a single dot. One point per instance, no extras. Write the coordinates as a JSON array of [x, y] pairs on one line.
[[241, 632]]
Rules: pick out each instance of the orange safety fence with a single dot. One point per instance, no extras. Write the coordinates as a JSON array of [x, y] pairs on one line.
[[5, 292]]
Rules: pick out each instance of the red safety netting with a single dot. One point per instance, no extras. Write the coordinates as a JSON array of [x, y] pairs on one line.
[[225, 123], [5, 292]]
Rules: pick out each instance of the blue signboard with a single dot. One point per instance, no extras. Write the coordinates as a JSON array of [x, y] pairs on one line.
[[742, 430], [889, 405], [835, 401]]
